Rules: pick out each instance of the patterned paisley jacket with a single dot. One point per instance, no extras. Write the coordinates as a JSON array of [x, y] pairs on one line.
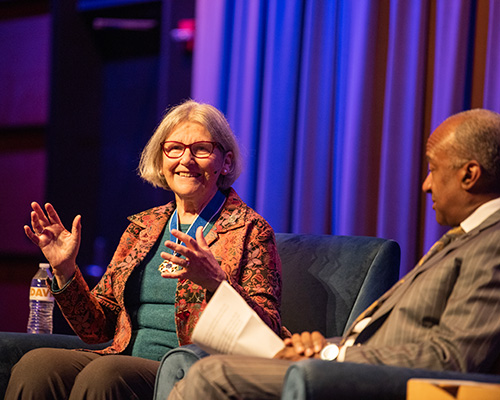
[[241, 240]]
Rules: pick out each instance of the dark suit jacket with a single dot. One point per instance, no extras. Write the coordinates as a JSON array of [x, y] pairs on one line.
[[445, 314]]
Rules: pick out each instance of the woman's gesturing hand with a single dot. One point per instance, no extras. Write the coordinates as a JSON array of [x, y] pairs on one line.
[[199, 265], [59, 246]]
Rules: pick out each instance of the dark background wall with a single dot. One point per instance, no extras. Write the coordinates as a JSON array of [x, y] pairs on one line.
[[82, 87]]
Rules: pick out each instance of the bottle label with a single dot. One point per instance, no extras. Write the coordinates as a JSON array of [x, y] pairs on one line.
[[41, 294]]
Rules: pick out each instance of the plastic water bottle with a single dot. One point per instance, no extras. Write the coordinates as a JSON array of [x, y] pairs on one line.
[[41, 302]]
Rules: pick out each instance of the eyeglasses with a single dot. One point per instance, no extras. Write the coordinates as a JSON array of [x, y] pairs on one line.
[[198, 149]]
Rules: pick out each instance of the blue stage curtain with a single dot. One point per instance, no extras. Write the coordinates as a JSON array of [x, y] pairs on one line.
[[333, 100]]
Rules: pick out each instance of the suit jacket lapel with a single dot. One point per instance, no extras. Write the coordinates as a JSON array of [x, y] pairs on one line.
[[231, 217], [392, 297]]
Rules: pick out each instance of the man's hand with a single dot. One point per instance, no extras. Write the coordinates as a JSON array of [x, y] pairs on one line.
[[302, 346]]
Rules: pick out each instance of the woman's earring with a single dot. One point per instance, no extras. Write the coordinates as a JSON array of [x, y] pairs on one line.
[[224, 171]]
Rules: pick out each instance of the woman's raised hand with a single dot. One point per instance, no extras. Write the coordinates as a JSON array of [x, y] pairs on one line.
[[59, 246], [199, 264]]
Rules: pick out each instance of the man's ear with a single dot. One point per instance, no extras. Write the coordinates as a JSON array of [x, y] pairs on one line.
[[471, 174]]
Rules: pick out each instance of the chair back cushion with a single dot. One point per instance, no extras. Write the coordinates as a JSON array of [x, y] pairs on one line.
[[329, 280]]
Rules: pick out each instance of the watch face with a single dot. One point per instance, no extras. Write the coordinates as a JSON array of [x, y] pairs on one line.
[[330, 352]]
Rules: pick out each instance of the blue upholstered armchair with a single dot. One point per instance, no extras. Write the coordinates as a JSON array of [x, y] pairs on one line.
[[330, 279], [327, 282], [324, 380]]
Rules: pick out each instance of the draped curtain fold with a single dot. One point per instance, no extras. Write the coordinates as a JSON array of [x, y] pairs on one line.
[[403, 126], [332, 102]]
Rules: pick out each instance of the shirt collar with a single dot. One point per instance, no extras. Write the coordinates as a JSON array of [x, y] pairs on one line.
[[480, 215]]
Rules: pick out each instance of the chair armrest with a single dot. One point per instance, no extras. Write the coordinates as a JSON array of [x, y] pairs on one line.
[[173, 367], [14, 345], [316, 379]]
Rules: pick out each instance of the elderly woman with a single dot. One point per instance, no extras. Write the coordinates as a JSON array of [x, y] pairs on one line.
[[169, 262]]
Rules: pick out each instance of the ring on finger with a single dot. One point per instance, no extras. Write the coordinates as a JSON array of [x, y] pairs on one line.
[[169, 266]]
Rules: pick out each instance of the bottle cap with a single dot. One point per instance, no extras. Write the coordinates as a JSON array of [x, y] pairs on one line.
[[44, 265]]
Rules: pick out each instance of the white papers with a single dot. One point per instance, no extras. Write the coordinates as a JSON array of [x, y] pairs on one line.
[[229, 326]]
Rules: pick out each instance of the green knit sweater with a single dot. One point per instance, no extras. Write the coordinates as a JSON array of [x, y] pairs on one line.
[[150, 303]]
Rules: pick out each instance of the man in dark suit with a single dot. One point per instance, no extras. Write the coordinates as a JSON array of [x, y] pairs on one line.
[[443, 315]]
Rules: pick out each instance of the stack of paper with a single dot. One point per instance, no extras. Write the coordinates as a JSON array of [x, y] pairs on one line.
[[229, 326]]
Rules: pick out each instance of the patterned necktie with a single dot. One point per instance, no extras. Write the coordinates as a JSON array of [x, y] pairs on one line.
[[446, 239]]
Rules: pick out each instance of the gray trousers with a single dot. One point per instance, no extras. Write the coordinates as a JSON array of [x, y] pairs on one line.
[[232, 377], [49, 373]]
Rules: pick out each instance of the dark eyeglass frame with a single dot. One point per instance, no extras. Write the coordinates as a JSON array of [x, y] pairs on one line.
[[188, 146]]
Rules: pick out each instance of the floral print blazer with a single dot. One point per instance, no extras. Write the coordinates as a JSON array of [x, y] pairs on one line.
[[241, 240]]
